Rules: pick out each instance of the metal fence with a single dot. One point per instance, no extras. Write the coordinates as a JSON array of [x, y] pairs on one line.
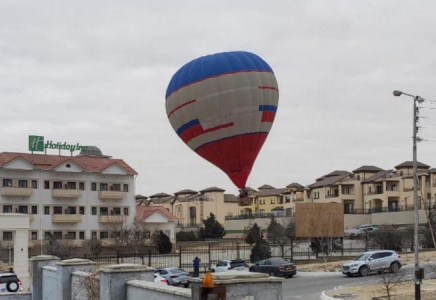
[[211, 253]]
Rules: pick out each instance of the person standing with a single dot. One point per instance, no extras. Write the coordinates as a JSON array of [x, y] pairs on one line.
[[196, 263]]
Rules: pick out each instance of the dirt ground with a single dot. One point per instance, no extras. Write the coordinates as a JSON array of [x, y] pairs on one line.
[[403, 291]]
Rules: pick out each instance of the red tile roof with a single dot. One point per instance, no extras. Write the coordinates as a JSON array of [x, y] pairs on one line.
[[143, 212], [49, 162]]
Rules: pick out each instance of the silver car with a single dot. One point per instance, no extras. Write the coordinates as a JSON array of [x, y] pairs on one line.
[[374, 261], [174, 276]]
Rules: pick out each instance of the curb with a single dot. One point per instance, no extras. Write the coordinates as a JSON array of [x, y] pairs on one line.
[[325, 297]]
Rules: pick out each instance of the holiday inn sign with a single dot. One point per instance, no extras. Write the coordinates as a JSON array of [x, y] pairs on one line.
[[36, 143]]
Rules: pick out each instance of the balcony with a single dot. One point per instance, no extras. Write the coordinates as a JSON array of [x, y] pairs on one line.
[[66, 218], [17, 192], [111, 195], [70, 194], [297, 200], [113, 219]]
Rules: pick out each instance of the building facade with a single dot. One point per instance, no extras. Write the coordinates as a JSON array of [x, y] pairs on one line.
[[67, 197]]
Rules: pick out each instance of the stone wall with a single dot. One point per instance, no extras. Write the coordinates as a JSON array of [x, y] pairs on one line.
[[139, 290], [20, 296], [49, 283]]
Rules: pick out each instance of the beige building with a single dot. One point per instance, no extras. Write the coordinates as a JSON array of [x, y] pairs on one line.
[[156, 218], [191, 207]]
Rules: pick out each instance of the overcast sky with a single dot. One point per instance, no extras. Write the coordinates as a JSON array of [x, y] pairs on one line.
[[95, 72]]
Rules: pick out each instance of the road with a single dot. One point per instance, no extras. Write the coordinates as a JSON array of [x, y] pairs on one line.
[[309, 286]]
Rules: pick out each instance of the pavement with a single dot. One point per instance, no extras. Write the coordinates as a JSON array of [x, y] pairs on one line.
[[310, 285]]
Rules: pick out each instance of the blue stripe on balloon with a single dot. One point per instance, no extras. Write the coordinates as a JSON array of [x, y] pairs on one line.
[[214, 65], [187, 126], [268, 108], [229, 137]]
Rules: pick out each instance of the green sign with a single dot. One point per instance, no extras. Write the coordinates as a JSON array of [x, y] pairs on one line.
[[36, 143]]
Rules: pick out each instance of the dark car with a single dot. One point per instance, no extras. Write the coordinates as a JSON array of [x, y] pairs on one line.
[[174, 276], [275, 267]]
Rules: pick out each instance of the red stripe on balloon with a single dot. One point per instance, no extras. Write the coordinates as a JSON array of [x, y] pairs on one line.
[[234, 155], [219, 127], [197, 130], [180, 106], [268, 88], [268, 116]]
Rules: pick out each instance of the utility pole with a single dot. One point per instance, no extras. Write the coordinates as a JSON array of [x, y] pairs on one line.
[[415, 192]]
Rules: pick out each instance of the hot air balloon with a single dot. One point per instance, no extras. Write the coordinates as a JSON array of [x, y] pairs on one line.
[[222, 106]]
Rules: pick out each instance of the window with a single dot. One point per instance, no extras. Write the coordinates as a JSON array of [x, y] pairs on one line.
[[81, 186], [23, 209], [261, 211], [7, 235], [34, 184], [167, 233], [57, 185], [7, 208], [126, 211], [115, 235], [71, 210], [104, 211], [93, 234], [358, 177], [7, 182], [57, 235], [147, 235], [34, 235], [116, 211], [57, 210], [125, 187], [22, 183], [47, 185], [82, 235], [104, 235], [287, 199], [93, 186], [273, 201], [47, 235], [93, 211], [34, 209], [82, 210], [46, 210], [71, 235], [103, 186], [394, 187], [116, 187], [71, 185]]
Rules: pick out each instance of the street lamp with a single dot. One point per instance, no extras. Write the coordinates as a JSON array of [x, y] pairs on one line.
[[415, 193]]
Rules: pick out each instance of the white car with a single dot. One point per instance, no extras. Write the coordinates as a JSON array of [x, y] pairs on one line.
[[235, 264], [160, 279], [373, 261], [9, 283]]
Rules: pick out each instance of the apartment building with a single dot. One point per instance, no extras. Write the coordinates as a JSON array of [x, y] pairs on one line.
[[192, 207], [67, 197]]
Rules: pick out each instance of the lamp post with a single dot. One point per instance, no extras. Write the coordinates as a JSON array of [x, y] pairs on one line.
[[415, 193]]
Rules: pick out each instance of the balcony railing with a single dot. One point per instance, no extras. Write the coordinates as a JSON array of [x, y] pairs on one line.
[[112, 219], [189, 225], [64, 193], [408, 189], [383, 209], [283, 213], [297, 200], [67, 218], [111, 195], [379, 192], [17, 191], [332, 196]]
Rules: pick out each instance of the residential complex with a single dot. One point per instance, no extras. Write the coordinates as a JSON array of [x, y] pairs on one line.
[[366, 190], [67, 197], [191, 207]]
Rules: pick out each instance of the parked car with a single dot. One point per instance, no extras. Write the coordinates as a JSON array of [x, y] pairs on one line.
[[174, 276], [235, 264], [9, 283], [373, 261], [160, 279], [275, 267], [361, 229]]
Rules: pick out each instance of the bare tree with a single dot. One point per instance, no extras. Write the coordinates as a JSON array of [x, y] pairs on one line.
[[389, 280], [93, 246], [282, 234], [62, 248]]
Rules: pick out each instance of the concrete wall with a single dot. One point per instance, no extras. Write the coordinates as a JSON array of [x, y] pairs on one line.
[[49, 283], [351, 221], [139, 290], [397, 218]]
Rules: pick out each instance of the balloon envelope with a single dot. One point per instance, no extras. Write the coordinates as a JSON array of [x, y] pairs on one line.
[[223, 106]]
